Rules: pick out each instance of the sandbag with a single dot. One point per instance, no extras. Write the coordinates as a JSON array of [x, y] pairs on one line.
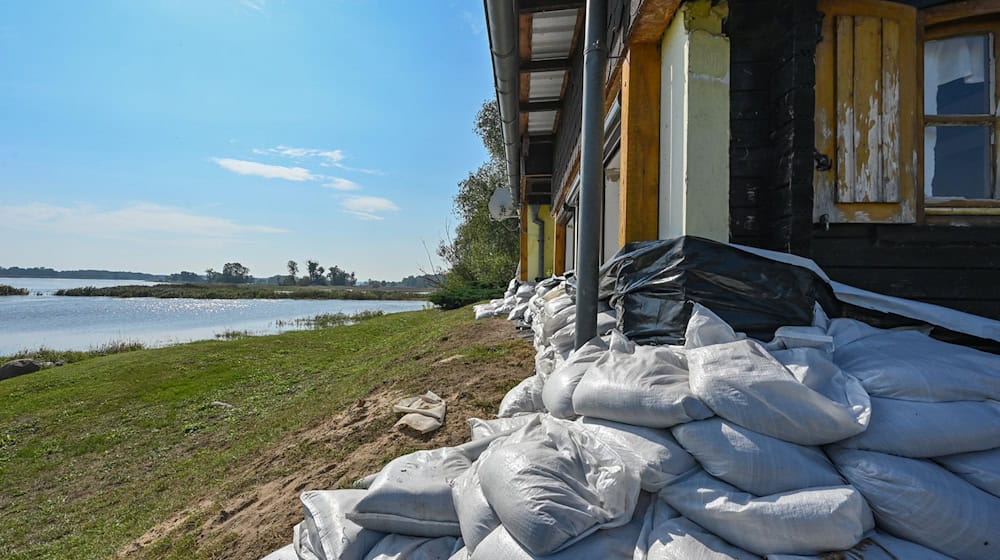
[[929, 429], [639, 385], [302, 544], [809, 402], [482, 429], [564, 340], [618, 543], [553, 483], [650, 284], [461, 554], [753, 462], [553, 323], [910, 365], [668, 536], [653, 453], [331, 535], [422, 481], [800, 522], [557, 393], [476, 517], [847, 331], [522, 399], [403, 547], [517, 313], [979, 468], [875, 546], [922, 502], [707, 329]]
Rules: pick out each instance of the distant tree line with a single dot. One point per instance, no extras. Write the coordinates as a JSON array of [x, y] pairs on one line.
[[317, 275]]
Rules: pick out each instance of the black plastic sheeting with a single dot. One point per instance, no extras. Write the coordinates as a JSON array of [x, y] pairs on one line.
[[652, 284]]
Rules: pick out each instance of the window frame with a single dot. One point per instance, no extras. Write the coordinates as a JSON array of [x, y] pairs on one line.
[[955, 20]]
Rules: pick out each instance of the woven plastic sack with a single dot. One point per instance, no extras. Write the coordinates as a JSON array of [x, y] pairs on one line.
[[286, 552], [403, 547], [331, 535], [924, 503], [910, 365], [524, 398], [653, 453], [805, 521], [482, 429], [422, 481], [875, 546], [475, 515], [668, 536], [618, 543], [929, 429], [980, 468], [639, 385], [557, 393], [754, 462], [803, 399], [553, 483]]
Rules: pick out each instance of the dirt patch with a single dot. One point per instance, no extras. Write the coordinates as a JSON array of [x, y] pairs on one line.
[[257, 514]]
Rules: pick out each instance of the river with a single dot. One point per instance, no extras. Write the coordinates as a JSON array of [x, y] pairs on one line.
[[43, 319]]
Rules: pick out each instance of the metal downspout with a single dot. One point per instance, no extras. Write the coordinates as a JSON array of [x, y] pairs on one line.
[[541, 239], [502, 24], [595, 58]]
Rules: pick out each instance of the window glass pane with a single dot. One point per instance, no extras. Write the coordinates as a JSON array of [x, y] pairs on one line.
[[957, 76], [958, 161]]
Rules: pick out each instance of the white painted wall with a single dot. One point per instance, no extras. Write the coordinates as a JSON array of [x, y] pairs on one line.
[[694, 124]]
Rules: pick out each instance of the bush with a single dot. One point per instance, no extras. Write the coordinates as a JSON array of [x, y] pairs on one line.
[[457, 292], [6, 290]]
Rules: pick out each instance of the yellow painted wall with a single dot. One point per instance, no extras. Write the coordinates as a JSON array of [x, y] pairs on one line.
[[544, 214]]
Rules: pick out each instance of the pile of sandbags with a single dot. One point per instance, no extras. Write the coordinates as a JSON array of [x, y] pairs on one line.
[[829, 439]]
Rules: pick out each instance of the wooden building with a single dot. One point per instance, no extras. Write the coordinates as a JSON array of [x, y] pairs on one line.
[[859, 133]]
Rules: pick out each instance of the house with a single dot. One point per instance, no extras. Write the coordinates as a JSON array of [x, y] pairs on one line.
[[859, 133]]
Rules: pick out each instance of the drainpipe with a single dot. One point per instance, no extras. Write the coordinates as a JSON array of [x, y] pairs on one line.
[[595, 58], [541, 240], [501, 18]]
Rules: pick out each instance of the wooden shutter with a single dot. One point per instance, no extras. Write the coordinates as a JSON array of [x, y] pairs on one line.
[[866, 103]]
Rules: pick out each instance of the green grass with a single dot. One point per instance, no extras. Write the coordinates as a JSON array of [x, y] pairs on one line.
[[44, 354], [93, 454], [243, 291]]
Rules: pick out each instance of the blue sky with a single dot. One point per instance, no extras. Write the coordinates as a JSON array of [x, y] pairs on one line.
[[161, 135]]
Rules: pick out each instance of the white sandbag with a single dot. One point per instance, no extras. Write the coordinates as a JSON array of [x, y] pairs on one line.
[[331, 535], [461, 554], [753, 462], [910, 365], [557, 393], [402, 547], [847, 331], [556, 303], [476, 517], [552, 483], [482, 429], [922, 502], [639, 385], [422, 481], [705, 328], [545, 362], [524, 291], [651, 452], [522, 399], [803, 399], [484, 311], [553, 323], [564, 340], [618, 543], [422, 413], [800, 522], [980, 468], [517, 313], [302, 544], [668, 536], [929, 429], [875, 546], [787, 338], [286, 552]]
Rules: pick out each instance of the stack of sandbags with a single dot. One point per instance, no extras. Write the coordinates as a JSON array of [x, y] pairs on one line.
[[512, 305]]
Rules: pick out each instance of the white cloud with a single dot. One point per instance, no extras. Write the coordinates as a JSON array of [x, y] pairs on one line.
[[257, 5], [341, 184], [368, 207], [328, 158], [244, 167], [136, 218]]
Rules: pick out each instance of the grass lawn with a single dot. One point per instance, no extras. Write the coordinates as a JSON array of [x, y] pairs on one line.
[[94, 454]]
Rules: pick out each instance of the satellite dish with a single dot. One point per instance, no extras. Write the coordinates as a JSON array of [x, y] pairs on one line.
[[501, 205]]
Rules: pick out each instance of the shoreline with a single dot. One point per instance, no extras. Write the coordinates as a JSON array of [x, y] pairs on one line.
[[244, 291]]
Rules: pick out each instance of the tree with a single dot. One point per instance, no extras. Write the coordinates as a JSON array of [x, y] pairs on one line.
[[483, 249], [212, 276], [236, 273], [293, 269]]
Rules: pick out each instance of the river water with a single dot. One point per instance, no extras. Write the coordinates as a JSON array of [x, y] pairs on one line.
[[79, 323]]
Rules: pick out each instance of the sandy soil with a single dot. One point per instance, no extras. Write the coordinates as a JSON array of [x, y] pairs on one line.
[[251, 522]]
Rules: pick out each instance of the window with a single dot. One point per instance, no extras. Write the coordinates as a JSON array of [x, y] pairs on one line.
[[960, 115], [885, 158]]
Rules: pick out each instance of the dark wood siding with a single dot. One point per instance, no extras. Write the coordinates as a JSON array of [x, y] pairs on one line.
[[773, 47]]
